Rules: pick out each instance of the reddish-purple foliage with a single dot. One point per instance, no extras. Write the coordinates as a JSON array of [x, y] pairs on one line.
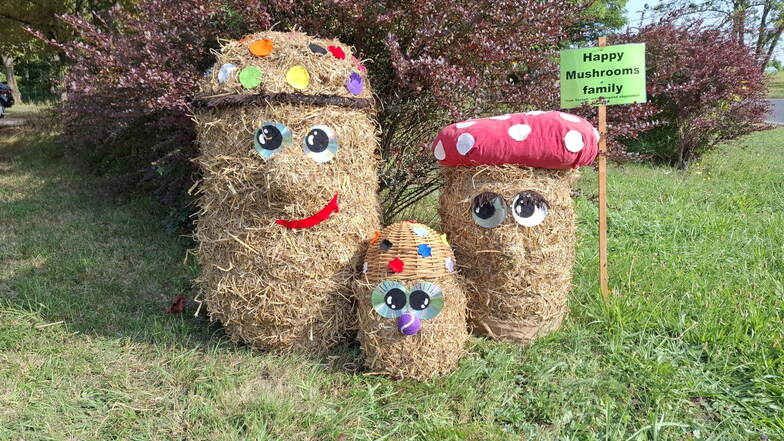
[[130, 81], [705, 86], [431, 62]]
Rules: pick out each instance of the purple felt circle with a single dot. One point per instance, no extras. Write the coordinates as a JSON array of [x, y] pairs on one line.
[[409, 324], [355, 84]]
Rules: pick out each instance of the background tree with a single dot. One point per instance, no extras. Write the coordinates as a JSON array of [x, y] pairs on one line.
[[16, 43], [754, 23]]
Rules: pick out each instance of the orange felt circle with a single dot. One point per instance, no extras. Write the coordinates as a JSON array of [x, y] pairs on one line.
[[261, 48]]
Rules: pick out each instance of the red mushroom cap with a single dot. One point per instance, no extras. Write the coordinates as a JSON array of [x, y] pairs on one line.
[[553, 140]]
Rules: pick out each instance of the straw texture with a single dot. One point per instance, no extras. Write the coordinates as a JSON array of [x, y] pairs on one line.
[[517, 278], [328, 74], [439, 345], [273, 287]]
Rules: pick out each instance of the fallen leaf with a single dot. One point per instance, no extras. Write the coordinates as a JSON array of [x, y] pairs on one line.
[[177, 306]]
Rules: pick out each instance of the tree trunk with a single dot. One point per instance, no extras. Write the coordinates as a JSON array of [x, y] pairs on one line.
[[8, 61]]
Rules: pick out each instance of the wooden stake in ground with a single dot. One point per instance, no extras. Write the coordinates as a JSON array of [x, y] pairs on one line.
[[603, 193]]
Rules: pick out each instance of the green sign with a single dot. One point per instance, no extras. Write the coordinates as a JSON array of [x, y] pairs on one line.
[[613, 73]]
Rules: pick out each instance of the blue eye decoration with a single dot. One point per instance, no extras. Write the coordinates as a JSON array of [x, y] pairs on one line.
[[391, 299], [320, 144], [271, 138]]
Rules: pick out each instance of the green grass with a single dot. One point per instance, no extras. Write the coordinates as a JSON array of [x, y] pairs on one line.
[[690, 346], [776, 84], [22, 110]]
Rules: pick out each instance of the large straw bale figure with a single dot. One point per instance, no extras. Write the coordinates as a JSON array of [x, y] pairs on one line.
[[507, 211], [412, 310], [288, 195]]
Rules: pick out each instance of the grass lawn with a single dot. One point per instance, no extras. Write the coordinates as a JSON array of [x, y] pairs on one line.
[[689, 348], [776, 85]]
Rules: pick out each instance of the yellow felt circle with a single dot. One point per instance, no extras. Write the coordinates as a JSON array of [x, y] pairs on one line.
[[298, 77]]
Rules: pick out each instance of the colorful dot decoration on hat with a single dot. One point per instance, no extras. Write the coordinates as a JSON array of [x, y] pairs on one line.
[[385, 245], [250, 77], [364, 267], [225, 72], [449, 264], [316, 49], [420, 230], [376, 236], [261, 48], [444, 241], [337, 52], [298, 77], [424, 250], [396, 265], [355, 84], [358, 64]]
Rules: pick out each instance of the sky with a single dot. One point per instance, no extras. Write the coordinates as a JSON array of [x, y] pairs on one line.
[[633, 8]]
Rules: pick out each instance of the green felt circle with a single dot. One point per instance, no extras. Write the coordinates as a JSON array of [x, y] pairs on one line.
[[250, 77]]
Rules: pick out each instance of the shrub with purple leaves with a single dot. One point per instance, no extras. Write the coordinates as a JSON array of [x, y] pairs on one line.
[[706, 88]]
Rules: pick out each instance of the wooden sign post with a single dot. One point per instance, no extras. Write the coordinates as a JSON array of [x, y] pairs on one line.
[[602, 76], [603, 277]]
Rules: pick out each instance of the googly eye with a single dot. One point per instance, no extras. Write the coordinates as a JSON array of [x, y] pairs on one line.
[[320, 144], [529, 208], [271, 138], [488, 210], [426, 300], [389, 299]]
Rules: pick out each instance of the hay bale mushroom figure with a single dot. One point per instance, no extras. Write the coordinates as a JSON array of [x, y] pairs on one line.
[[507, 210], [412, 320], [287, 137]]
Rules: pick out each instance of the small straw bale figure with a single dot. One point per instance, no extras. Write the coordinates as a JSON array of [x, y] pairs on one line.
[[287, 138], [507, 210], [412, 309]]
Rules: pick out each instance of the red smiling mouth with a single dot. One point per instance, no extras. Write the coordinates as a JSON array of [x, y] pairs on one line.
[[307, 222]]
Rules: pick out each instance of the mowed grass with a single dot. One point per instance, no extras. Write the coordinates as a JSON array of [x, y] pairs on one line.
[[775, 84], [688, 348]]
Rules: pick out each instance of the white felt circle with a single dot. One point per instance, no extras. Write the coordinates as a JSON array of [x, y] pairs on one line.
[[501, 117], [573, 141], [439, 152], [465, 124], [535, 112], [465, 143], [596, 134], [569, 117], [519, 132]]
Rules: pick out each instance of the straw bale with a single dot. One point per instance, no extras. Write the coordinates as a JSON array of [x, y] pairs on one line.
[[517, 278], [272, 287], [439, 345]]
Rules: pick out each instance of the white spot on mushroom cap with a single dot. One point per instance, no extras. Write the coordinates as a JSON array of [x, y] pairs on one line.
[[596, 134], [465, 124], [569, 117], [439, 151], [501, 117], [573, 141], [535, 112], [465, 143], [519, 132]]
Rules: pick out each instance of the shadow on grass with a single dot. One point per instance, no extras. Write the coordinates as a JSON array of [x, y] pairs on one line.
[[73, 252]]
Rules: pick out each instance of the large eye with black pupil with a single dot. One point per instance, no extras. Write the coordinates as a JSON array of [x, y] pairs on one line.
[[426, 300], [419, 300], [320, 144], [389, 299], [271, 138], [488, 210], [395, 299], [529, 208]]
